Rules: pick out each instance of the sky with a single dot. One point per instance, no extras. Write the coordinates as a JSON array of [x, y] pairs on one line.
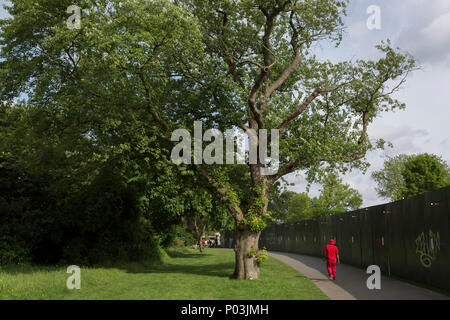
[[422, 28]]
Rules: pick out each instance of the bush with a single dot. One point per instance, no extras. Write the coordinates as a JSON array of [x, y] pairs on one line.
[[45, 223], [262, 256], [12, 251], [178, 236], [178, 243]]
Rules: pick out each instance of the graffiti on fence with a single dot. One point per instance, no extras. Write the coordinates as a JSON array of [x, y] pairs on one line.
[[428, 246]]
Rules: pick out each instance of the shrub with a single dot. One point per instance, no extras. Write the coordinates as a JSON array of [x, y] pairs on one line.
[[12, 251]]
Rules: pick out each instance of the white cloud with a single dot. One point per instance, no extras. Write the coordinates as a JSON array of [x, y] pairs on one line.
[[357, 30], [439, 29], [426, 32]]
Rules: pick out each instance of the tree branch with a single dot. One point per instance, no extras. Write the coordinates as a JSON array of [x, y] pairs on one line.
[[292, 66], [233, 207], [302, 108], [153, 112]]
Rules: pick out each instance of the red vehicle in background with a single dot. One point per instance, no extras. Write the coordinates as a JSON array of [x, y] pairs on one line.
[[210, 241]]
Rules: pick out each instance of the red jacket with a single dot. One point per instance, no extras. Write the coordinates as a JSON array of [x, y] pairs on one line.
[[331, 251]]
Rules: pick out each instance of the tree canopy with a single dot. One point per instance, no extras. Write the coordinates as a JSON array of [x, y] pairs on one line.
[[300, 207], [336, 197], [404, 176], [390, 179], [138, 70], [423, 173]]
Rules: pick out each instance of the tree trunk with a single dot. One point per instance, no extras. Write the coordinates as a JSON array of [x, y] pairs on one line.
[[200, 244], [198, 229], [246, 267], [246, 246], [199, 237]]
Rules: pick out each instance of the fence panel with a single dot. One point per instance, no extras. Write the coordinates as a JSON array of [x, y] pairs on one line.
[[397, 222], [326, 232], [299, 244], [413, 235], [437, 237], [291, 242], [305, 238], [316, 246], [343, 241], [355, 233], [379, 237], [408, 238], [367, 244]]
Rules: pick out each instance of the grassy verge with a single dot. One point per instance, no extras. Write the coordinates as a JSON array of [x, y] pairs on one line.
[[186, 274]]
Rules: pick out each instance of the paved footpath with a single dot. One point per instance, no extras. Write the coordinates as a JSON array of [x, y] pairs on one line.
[[350, 282]]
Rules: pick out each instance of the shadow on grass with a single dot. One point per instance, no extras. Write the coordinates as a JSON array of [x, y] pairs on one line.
[[175, 266], [222, 270], [188, 255], [27, 269]]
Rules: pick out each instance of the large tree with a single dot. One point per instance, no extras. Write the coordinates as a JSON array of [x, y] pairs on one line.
[[422, 173], [389, 179], [279, 204], [336, 197], [246, 64], [405, 176], [262, 52], [78, 148], [300, 207]]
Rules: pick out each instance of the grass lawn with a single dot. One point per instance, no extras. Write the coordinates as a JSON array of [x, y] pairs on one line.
[[185, 275]]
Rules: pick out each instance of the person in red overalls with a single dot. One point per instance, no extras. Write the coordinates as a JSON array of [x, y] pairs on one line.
[[331, 254]]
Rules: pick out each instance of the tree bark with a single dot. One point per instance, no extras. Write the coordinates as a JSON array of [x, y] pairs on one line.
[[200, 245], [199, 237], [246, 267], [246, 245]]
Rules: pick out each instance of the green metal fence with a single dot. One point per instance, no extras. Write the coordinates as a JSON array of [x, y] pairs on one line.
[[409, 238]]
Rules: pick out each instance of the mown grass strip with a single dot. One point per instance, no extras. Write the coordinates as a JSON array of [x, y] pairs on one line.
[[185, 275]]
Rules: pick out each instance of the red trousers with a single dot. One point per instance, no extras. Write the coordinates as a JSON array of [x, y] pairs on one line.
[[331, 267]]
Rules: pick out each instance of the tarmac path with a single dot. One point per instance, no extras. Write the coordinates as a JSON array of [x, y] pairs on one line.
[[350, 283]]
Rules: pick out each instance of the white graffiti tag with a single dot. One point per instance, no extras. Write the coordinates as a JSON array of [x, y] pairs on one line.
[[428, 247]]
